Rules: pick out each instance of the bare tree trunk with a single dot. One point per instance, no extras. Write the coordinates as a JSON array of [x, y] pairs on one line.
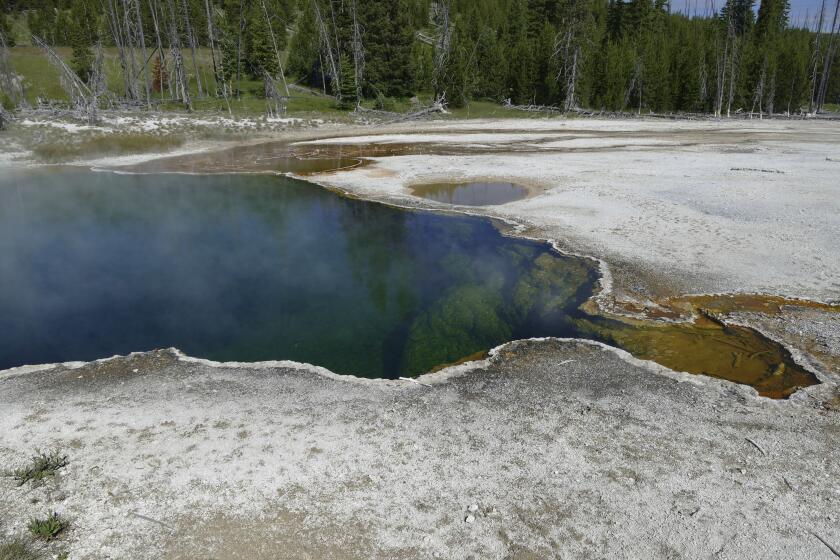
[[153, 7], [142, 37], [722, 67], [733, 75], [82, 99], [816, 58], [771, 95], [211, 35], [239, 49], [829, 60], [191, 39], [323, 76], [276, 49], [758, 97], [177, 58], [326, 43], [569, 52], [635, 84], [130, 47], [98, 82], [358, 51], [441, 18], [115, 23]]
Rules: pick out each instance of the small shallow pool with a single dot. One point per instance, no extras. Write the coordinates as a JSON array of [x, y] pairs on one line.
[[472, 194]]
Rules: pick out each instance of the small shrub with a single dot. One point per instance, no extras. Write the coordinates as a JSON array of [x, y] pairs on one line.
[[42, 466], [17, 549], [383, 103], [49, 528]]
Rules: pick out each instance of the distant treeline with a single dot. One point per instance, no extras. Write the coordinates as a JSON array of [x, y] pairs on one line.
[[633, 55]]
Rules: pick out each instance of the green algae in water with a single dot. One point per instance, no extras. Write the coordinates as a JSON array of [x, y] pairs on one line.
[[255, 268]]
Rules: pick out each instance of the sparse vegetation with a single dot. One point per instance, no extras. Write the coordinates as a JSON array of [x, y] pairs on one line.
[[106, 145], [18, 549], [42, 465], [49, 528]]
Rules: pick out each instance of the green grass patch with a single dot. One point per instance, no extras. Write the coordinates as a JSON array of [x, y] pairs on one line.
[[49, 528], [490, 109], [18, 549], [105, 145], [42, 466], [41, 80]]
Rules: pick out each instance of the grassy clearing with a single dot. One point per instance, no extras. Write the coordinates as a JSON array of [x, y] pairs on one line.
[[106, 145], [42, 466], [49, 528], [489, 109], [18, 549], [42, 81]]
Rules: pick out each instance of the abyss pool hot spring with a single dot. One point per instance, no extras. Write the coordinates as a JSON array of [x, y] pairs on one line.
[[254, 268]]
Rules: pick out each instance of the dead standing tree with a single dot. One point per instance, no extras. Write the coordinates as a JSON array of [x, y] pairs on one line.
[[829, 60], [276, 51], [185, 14], [82, 98], [727, 68], [815, 58], [211, 37], [442, 21], [568, 50], [141, 36], [154, 8], [327, 45], [182, 84], [569, 55], [120, 28], [358, 50], [275, 102]]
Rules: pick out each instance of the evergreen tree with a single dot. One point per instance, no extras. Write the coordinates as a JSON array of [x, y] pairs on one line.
[[82, 36], [260, 55], [611, 54], [347, 89], [388, 39], [304, 48], [229, 40], [741, 13], [520, 61]]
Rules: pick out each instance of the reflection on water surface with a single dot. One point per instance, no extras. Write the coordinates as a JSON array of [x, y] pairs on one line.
[[472, 194]]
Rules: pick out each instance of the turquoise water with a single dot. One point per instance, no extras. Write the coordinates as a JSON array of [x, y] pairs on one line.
[[254, 268]]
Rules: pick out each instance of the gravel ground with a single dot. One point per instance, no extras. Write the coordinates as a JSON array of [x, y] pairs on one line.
[[554, 448]]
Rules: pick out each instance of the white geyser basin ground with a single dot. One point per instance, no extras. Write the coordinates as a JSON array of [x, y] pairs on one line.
[[690, 207], [549, 448]]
